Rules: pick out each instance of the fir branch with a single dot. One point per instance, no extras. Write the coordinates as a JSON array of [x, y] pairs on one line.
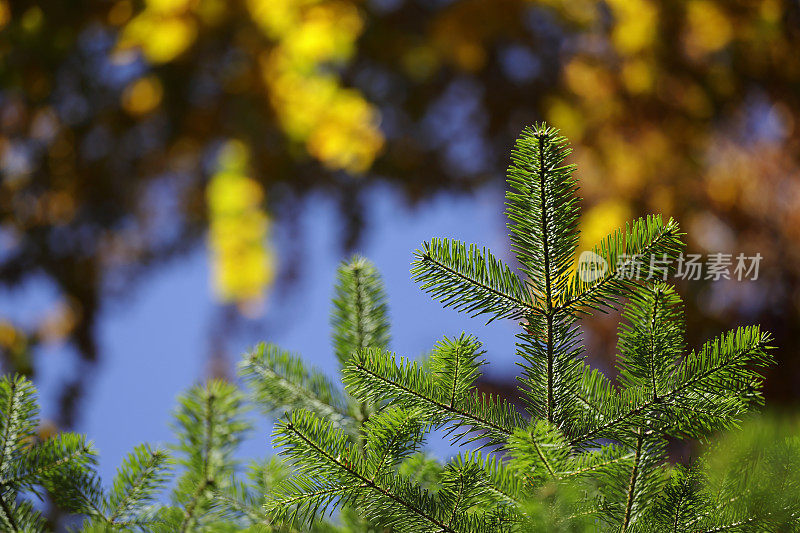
[[192, 504], [234, 505], [141, 475], [632, 484], [629, 487], [621, 252], [542, 209], [596, 462], [539, 452], [318, 447], [281, 382], [8, 514], [210, 427], [455, 365], [503, 483], [19, 516], [551, 369], [391, 436], [721, 372], [374, 375], [651, 338], [360, 313], [47, 458], [76, 489], [470, 279], [682, 503], [459, 497], [18, 419], [242, 502]]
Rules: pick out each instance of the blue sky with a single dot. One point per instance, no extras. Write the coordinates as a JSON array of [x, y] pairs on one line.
[[154, 343]]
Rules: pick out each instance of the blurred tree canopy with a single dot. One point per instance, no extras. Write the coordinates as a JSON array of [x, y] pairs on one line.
[[130, 130]]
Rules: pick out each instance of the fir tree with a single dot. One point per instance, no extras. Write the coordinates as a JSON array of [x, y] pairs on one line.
[[599, 445], [584, 454]]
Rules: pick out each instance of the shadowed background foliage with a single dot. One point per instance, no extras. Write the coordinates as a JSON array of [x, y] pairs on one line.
[[134, 131]]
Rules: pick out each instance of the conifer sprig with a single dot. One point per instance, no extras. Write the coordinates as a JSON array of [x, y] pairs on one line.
[[470, 279], [210, 426], [241, 502], [18, 423], [376, 375], [360, 317], [542, 209], [708, 390], [59, 464], [280, 382], [331, 472], [129, 505], [140, 477], [646, 249], [340, 475]]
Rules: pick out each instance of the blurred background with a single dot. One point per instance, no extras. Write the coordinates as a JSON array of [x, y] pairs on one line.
[[180, 178]]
